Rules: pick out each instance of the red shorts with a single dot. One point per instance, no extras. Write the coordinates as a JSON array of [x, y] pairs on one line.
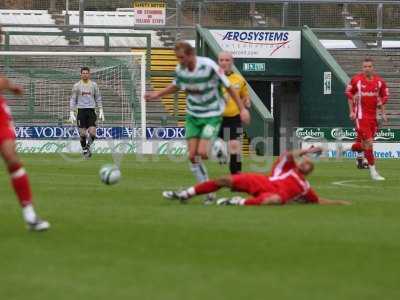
[[6, 133], [366, 128], [253, 184]]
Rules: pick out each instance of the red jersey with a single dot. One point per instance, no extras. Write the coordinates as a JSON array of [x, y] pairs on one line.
[[367, 95], [290, 182]]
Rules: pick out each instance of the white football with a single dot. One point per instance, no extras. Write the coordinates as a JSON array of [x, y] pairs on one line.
[[219, 151], [110, 174]]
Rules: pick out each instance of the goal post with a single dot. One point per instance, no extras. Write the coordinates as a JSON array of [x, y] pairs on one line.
[[48, 78]]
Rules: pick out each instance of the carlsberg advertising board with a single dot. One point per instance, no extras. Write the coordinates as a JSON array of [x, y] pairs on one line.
[[343, 134]]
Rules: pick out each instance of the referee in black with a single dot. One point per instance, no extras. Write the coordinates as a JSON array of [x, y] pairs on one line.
[[85, 97]]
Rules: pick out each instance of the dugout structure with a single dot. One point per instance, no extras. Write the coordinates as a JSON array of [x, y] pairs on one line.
[[306, 92]]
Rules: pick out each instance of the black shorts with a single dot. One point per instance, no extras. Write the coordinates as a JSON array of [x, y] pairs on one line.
[[231, 128], [86, 117]]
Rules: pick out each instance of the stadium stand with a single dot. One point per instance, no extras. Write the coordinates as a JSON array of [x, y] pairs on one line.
[[113, 18], [387, 64], [42, 17], [38, 17], [163, 63]]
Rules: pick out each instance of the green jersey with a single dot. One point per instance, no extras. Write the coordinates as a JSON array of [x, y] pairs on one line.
[[203, 86]]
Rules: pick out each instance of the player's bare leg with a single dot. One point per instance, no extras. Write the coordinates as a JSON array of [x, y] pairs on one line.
[[198, 151], [21, 185], [369, 155], [202, 151], [91, 138]]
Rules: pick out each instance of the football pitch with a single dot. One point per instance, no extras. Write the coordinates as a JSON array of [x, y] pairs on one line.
[[126, 242]]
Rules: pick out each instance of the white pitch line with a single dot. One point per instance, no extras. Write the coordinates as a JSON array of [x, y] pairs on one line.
[[348, 183]]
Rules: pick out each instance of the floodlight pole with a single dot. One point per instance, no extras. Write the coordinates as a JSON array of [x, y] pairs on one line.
[[52, 7], [178, 19], [66, 18], [81, 20], [379, 22], [285, 9]]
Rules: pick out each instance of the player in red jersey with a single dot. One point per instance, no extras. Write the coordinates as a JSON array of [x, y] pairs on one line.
[[366, 93], [286, 183], [19, 177]]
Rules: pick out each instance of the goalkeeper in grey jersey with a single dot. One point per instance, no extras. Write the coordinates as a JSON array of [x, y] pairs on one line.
[[85, 96]]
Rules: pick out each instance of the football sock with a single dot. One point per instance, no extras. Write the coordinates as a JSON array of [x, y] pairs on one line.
[[29, 214], [235, 164], [205, 187], [357, 147], [199, 171], [253, 201], [91, 140], [20, 183], [83, 142], [369, 155]]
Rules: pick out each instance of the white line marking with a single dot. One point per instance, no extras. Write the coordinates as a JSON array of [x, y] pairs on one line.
[[348, 183]]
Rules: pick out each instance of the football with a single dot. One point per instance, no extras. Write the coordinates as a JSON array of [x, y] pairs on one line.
[[219, 151], [110, 174]]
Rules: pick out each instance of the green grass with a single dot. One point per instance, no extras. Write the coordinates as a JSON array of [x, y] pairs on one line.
[[126, 242]]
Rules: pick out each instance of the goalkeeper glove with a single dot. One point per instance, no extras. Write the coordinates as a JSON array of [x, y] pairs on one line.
[[101, 114], [72, 117]]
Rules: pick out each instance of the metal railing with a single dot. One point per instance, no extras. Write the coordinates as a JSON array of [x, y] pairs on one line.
[[276, 13], [78, 35], [344, 17]]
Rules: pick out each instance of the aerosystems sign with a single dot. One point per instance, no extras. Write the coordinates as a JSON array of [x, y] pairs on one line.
[[343, 134], [260, 43]]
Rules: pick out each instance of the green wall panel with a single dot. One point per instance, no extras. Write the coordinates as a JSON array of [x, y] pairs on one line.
[[317, 109]]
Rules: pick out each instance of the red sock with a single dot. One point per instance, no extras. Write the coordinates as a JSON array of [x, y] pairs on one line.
[[206, 187], [357, 147], [369, 155], [263, 198], [20, 183], [254, 201]]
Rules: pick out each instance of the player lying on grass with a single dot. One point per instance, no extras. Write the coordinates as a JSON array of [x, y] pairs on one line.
[[286, 183], [18, 175]]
